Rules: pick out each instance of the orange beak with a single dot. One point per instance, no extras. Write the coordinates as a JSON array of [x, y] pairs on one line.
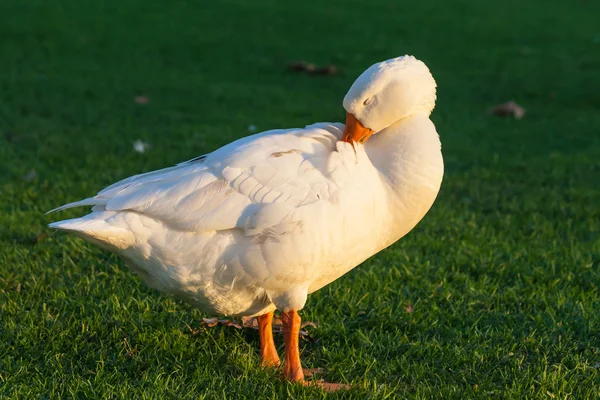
[[355, 131]]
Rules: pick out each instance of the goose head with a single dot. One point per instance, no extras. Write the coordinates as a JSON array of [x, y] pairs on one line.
[[386, 93]]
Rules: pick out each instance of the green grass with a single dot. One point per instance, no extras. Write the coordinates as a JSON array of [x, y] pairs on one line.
[[502, 275]]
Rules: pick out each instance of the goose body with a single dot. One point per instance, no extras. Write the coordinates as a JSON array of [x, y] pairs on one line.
[[264, 221]]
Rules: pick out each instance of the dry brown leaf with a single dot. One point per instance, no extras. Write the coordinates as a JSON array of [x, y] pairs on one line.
[[141, 100], [409, 308], [252, 323], [301, 66], [310, 372], [310, 68], [210, 322], [195, 331], [226, 322], [507, 109], [309, 323], [327, 70]]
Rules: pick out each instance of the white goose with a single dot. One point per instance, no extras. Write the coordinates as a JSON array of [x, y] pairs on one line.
[[259, 224]]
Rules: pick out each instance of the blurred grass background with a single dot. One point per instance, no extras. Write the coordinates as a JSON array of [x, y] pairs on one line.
[[495, 293]]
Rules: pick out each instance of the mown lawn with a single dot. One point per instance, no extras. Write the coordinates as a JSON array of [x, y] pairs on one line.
[[494, 295]]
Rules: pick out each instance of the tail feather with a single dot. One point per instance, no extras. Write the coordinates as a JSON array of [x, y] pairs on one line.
[[80, 225], [97, 231], [90, 201]]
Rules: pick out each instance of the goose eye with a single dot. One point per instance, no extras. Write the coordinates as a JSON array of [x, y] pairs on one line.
[[368, 101]]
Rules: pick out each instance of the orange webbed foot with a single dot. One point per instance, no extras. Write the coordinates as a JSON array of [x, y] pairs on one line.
[[292, 368]]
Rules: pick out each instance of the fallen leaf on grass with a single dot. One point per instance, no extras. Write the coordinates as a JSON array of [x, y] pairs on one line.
[[312, 69], [297, 66], [31, 175], [327, 70], [409, 308], [211, 322], [508, 108], [252, 323], [301, 66], [140, 146], [141, 100], [310, 372]]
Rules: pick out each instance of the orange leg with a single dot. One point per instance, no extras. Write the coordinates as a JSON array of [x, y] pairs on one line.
[[268, 352], [292, 368]]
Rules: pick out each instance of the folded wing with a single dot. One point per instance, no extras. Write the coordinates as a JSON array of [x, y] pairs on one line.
[[250, 184]]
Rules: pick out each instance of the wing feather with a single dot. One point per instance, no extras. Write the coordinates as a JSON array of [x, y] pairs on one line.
[[252, 184]]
